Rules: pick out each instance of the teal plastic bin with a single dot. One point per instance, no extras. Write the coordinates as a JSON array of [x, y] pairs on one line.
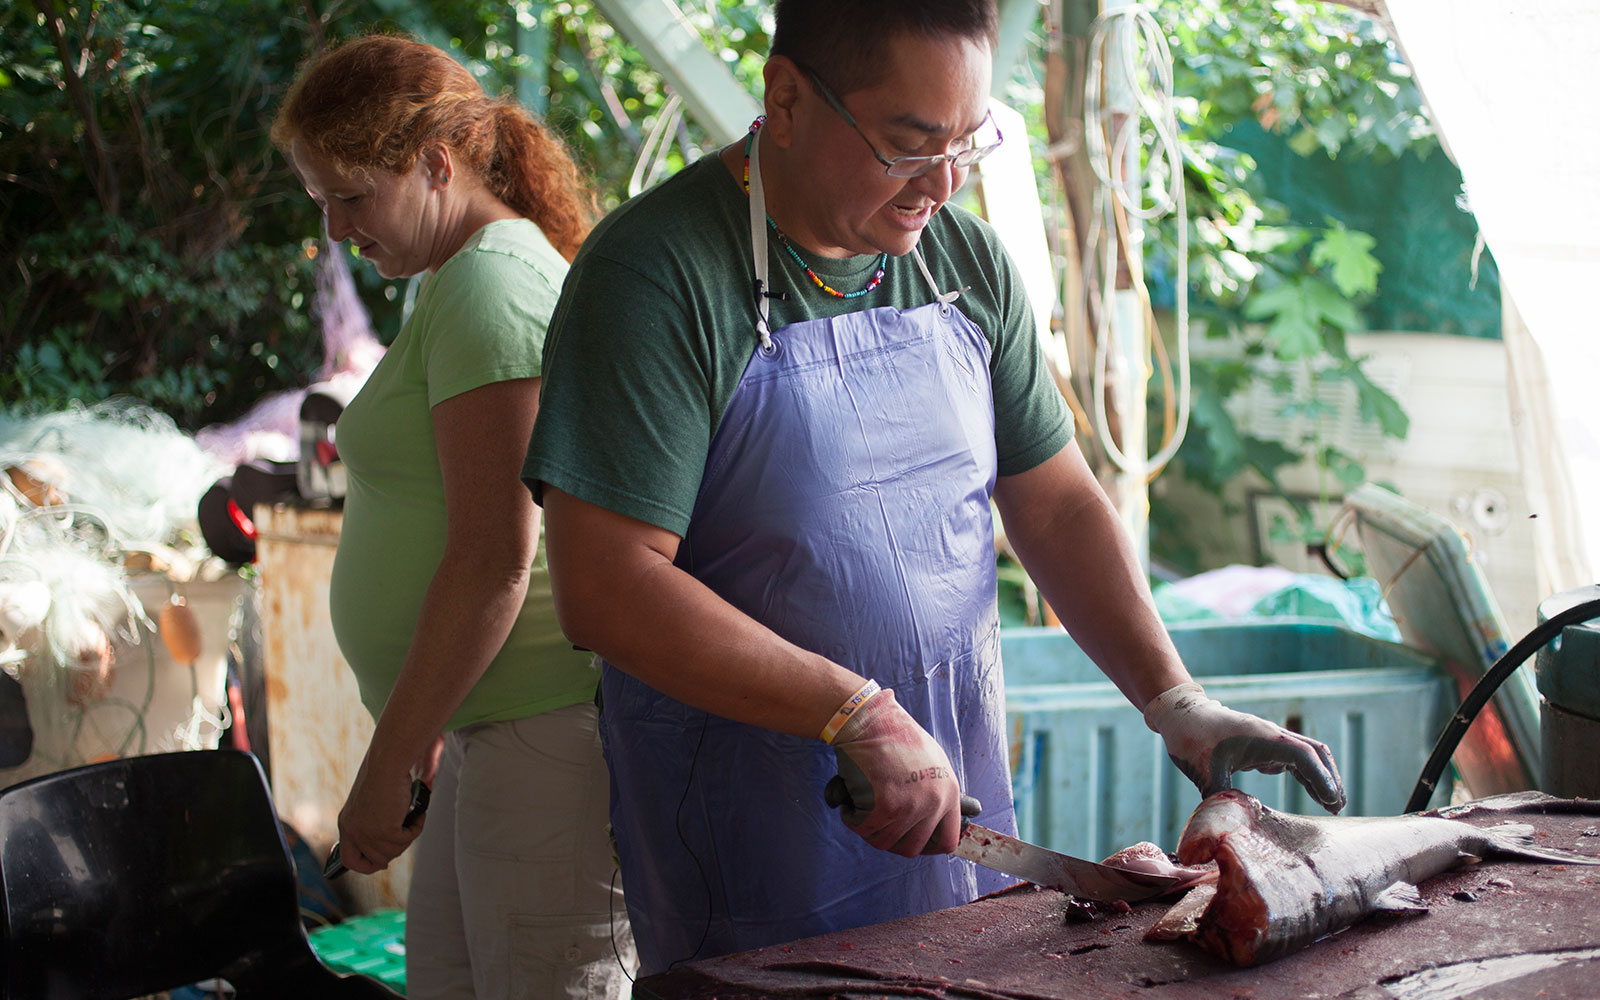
[[1089, 778]]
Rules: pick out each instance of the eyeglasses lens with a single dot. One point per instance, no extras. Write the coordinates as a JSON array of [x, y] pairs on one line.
[[916, 166]]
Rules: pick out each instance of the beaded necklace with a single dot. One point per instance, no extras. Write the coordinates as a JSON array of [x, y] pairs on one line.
[[883, 258]]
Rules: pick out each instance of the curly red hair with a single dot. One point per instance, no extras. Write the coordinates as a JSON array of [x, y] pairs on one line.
[[376, 101]]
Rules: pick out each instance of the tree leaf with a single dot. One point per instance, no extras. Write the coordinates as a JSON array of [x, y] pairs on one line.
[[1348, 252], [1379, 406], [1292, 331], [1329, 305]]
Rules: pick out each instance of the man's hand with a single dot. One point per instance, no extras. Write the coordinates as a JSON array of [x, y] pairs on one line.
[[1209, 742], [904, 797]]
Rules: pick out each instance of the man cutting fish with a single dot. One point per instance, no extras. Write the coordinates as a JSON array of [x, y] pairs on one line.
[[780, 392]]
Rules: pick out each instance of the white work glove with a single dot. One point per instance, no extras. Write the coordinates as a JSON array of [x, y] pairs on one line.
[[902, 791], [1209, 742]]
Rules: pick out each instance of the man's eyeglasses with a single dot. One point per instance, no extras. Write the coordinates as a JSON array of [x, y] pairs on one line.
[[911, 166]]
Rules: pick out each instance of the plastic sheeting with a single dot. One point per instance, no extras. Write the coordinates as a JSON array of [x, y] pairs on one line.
[[1250, 593], [350, 350], [1512, 89]]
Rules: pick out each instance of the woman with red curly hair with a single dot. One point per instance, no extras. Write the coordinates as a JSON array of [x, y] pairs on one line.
[[440, 598]]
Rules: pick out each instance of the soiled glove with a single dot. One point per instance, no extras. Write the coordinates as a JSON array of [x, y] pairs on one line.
[[903, 792], [1209, 742]]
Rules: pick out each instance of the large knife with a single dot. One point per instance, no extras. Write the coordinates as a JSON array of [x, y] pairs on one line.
[[1042, 866], [1006, 854]]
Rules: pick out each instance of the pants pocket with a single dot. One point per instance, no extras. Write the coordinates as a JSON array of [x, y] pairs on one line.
[[570, 957]]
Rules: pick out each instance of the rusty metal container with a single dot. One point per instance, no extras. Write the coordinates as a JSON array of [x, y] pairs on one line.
[[317, 728]]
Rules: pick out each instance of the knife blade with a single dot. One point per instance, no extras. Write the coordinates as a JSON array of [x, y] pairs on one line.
[[1053, 870], [1009, 856]]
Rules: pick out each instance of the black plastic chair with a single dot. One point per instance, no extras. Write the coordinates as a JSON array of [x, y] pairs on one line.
[[135, 876]]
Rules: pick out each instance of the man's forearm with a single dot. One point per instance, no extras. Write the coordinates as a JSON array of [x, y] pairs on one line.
[[1075, 549], [619, 594]]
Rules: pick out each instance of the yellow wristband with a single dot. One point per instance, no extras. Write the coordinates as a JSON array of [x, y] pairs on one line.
[[848, 709]]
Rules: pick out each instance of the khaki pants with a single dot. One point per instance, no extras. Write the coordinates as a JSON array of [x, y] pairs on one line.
[[511, 889]]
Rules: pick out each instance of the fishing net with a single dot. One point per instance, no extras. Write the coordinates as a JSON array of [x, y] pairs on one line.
[[125, 465]]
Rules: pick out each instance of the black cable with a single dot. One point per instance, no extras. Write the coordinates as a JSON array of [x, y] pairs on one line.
[[1322, 552], [705, 932], [1490, 682], [611, 907]]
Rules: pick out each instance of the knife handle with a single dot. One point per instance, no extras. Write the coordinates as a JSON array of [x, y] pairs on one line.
[[420, 794], [836, 793]]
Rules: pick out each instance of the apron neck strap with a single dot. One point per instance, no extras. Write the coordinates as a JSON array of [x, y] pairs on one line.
[[943, 298], [758, 238]]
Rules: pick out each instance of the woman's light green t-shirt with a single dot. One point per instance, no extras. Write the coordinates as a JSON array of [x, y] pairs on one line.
[[481, 318]]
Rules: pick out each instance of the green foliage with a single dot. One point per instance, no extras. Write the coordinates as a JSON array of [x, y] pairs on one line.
[[1348, 256], [145, 216], [1320, 73], [167, 306], [1282, 297], [594, 87]]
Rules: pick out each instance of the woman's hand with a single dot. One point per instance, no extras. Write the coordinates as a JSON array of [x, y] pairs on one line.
[[372, 827]]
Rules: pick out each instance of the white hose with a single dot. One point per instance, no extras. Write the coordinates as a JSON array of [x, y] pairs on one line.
[[653, 152], [1147, 66]]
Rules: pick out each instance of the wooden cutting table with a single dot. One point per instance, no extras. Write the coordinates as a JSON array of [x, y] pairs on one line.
[[1501, 930]]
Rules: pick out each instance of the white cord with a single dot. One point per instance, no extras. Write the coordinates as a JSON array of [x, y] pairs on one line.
[[1147, 67], [653, 152], [202, 730]]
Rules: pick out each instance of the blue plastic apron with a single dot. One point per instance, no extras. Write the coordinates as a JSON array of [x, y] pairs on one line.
[[845, 505]]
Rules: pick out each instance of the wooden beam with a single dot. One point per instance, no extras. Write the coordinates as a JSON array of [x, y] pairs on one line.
[[674, 49], [1017, 19]]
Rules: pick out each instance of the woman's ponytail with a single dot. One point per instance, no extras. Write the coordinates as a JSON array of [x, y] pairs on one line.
[[532, 171]]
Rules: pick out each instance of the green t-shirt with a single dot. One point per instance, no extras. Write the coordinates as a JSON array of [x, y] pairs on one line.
[[480, 319], [656, 324]]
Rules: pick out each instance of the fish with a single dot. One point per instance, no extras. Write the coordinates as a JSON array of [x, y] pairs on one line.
[[1284, 881], [1146, 858], [1143, 858]]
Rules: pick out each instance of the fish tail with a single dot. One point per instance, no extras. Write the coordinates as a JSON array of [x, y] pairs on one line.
[[1516, 839]]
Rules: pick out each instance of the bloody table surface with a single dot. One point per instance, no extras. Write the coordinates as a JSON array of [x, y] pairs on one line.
[[1498, 930]]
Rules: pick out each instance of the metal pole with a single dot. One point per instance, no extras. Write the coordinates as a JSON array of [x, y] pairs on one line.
[[672, 47], [533, 44], [1129, 368]]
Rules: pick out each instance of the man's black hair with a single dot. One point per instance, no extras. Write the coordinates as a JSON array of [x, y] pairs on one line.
[[843, 41]]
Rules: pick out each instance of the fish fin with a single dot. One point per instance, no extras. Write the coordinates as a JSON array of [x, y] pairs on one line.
[[1184, 918], [1540, 803], [1402, 897], [1517, 839]]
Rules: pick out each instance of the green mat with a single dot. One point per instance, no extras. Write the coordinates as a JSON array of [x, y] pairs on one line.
[[372, 944]]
